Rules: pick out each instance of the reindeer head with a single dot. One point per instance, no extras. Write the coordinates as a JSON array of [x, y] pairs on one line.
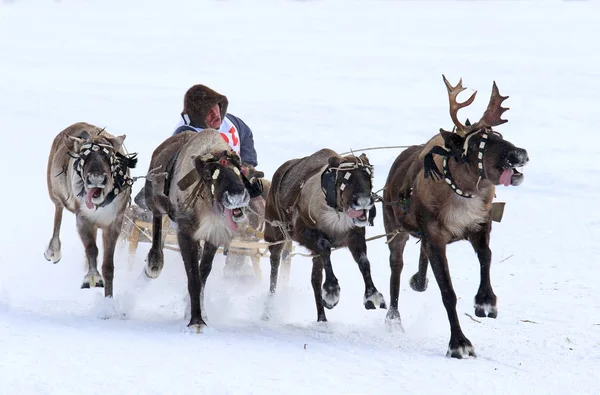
[[347, 184], [220, 172], [102, 170], [496, 159]]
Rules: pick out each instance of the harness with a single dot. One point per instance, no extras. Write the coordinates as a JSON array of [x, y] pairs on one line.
[[431, 170], [254, 189], [119, 164], [329, 180]]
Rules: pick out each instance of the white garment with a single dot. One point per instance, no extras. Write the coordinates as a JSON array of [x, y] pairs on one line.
[[227, 129]]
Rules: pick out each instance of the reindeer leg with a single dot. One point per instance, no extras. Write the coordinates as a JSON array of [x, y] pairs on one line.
[[418, 282], [459, 346], [156, 259], [109, 240], [275, 258], [87, 233], [286, 256], [396, 244], [53, 251], [208, 255], [485, 300], [316, 281], [189, 253], [273, 235], [358, 247], [318, 243]]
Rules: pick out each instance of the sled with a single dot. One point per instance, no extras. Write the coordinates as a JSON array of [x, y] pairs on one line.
[[137, 228]]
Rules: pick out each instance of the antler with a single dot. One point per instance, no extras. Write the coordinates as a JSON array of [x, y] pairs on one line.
[[453, 92], [493, 113]]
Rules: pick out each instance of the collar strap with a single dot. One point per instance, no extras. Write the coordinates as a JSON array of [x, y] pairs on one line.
[[450, 181]]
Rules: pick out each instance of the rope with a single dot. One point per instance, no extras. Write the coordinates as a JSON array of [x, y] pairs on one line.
[[375, 148], [142, 230], [394, 233]]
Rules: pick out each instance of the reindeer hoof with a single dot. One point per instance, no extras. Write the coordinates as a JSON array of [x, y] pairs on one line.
[[375, 299], [486, 310], [52, 256], [92, 280], [197, 325], [393, 321], [418, 284], [461, 349], [330, 294], [321, 318], [155, 263]]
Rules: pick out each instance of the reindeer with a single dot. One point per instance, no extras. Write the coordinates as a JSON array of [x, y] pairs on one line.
[[455, 204], [322, 201], [88, 174], [202, 189]]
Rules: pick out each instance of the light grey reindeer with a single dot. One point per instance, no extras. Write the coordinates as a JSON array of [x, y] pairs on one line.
[[88, 174], [206, 194]]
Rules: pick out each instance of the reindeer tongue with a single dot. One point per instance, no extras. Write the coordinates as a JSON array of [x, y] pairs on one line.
[[506, 176], [88, 197], [355, 213], [230, 222]]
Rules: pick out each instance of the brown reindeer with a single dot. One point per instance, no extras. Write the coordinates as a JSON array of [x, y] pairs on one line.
[[441, 207], [88, 174], [322, 201], [206, 194]]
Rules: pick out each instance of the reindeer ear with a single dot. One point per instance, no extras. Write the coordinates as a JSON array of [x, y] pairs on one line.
[[117, 142], [453, 142], [201, 167], [72, 143], [234, 157], [334, 161], [363, 158]]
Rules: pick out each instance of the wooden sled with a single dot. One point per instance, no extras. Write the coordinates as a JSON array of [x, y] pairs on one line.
[[137, 227]]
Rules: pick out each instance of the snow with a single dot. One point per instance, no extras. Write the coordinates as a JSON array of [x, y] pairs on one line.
[[304, 75]]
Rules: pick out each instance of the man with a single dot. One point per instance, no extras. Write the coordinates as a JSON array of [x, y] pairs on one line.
[[204, 108]]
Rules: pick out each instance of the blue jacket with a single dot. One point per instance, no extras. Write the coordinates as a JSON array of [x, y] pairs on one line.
[[247, 151]]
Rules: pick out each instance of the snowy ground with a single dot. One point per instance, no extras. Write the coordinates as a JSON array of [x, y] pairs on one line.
[[304, 75]]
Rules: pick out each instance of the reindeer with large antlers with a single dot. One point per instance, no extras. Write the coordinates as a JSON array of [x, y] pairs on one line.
[[441, 207]]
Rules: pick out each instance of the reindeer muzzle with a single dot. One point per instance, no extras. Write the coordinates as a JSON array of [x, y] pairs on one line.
[[511, 175], [233, 208], [359, 210]]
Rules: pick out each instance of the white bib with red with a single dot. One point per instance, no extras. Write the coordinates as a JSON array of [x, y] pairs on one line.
[[228, 131]]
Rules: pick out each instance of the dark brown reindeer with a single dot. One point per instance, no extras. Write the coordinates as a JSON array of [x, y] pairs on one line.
[[206, 194], [322, 201], [441, 207], [88, 174]]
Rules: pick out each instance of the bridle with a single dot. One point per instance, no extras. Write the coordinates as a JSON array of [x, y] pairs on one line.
[[432, 171], [329, 181], [254, 189], [119, 164]]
